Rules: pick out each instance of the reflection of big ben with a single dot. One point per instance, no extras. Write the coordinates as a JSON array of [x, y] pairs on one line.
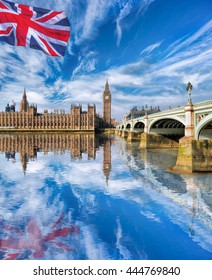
[[107, 159], [107, 105]]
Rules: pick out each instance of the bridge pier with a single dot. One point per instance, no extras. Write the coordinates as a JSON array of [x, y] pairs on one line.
[[194, 156], [124, 133], [133, 136], [155, 141], [118, 132]]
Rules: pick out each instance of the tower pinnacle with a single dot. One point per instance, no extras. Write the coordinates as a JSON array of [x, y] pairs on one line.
[[24, 106], [107, 88]]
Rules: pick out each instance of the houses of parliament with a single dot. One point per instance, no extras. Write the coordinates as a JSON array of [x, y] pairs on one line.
[[28, 118]]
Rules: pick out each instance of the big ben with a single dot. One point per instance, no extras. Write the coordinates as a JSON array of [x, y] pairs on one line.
[[107, 158], [107, 105]]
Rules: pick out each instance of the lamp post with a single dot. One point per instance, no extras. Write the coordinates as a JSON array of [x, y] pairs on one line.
[[189, 89], [189, 114]]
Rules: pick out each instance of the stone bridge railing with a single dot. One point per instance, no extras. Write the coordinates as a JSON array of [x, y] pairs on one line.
[[193, 116]]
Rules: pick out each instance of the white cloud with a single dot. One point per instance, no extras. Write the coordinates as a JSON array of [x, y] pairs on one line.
[[144, 6], [151, 48], [205, 30], [124, 252], [125, 11], [29, 69], [126, 8], [87, 63], [133, 83], [94, 250], [53, 5], [95, 14], [193, 61]]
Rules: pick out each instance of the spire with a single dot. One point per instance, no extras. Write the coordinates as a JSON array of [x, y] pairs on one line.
[[24, 161], [24, 94], [107, 85], [107, 179], [24, 106], [107, 159]]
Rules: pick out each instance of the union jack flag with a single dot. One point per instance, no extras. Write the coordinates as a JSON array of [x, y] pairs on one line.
[[32, 27]]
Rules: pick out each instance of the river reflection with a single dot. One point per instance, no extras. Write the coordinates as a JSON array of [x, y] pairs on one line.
[[81, 196]]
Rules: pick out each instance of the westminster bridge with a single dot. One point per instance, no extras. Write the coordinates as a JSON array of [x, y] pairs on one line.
[[188, 128]]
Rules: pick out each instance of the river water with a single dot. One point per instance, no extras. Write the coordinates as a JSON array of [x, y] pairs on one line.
[[86, 197]]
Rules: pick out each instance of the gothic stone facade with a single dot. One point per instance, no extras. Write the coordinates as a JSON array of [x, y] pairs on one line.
[[29, 119]]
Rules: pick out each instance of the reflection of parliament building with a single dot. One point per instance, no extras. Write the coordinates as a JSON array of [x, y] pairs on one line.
[[28, 117], [28, 145]]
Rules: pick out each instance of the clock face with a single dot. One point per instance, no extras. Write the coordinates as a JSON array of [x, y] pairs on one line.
[[106, 97]]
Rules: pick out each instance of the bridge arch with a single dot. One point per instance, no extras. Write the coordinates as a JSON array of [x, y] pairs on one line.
[[139, 126], [170, 127], [128, 126], [176, 119], [205, 123]]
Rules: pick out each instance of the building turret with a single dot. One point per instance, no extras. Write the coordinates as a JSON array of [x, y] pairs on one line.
[[7, 108], [24, 106], [10, 107]]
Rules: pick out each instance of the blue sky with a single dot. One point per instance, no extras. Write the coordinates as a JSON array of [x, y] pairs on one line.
[[148, 49]]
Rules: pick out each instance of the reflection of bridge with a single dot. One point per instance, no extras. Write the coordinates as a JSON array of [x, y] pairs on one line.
[[173, 122], [190, 124], [189, 194]]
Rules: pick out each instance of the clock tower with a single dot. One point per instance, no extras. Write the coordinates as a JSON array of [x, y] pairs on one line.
[[107, 105], [107, 159]]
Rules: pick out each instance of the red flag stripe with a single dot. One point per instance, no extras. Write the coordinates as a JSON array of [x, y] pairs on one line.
[[48, 17], [2, 6], [25, 11], [5, 32], [62, 35], [50, 50]]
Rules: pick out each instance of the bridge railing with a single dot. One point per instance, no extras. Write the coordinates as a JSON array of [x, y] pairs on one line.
[[203, 103], [177, 110]]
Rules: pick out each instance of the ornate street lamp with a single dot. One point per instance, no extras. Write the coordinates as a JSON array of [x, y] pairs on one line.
[[189, 89]]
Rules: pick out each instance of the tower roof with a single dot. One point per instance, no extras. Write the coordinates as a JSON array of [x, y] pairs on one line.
[[24, 106], [24, 94], [107, 87]]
